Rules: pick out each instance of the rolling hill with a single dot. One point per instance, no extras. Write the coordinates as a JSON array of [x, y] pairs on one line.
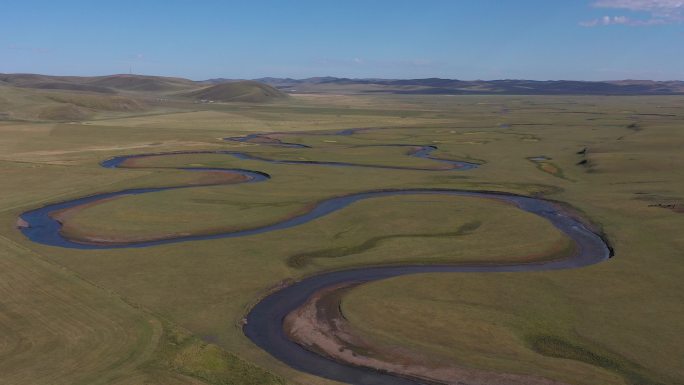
[[46, 82], [27, 103], [240, 91], [271, 88], [143, 83], [100, 84]]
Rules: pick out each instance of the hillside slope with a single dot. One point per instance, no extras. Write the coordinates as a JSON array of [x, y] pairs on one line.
[[23, 103], [142, 83], [241, 91], [100, 84]]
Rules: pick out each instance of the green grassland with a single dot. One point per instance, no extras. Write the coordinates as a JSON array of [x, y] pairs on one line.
[[171, 314]]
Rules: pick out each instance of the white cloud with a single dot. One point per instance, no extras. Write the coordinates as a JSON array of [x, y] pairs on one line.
[[658, 7], [658, 12], [606, 20]]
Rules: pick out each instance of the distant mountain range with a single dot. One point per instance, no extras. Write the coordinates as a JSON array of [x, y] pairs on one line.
[[437, 86], [430, 86]]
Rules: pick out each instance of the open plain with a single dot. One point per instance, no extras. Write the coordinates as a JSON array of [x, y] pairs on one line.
[[108, 307]]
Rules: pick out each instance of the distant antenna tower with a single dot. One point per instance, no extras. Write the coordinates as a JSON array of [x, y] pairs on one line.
[[130, 69]]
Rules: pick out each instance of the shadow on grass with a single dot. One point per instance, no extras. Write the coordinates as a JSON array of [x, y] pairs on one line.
[[301, 260]]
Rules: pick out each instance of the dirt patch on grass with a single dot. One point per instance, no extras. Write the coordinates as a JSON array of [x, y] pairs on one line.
[[544, 164]]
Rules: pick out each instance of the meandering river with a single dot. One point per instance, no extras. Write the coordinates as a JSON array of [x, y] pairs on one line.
[[264, 323]]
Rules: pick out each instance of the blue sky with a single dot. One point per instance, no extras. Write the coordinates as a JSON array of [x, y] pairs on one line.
[[467, 39]]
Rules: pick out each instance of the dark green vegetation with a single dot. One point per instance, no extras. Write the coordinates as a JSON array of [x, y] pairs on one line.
[[553, 346], [183, 353], [172, 314], [301, 260]]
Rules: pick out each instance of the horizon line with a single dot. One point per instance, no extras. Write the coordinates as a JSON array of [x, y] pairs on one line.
[[349, 78]]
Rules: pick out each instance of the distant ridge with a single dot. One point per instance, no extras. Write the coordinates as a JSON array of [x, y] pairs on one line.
[[100, 84], [143, 83], [254, 90], [439, 86], [239, 91]]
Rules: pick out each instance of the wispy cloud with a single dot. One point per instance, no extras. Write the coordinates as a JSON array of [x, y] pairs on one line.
[[606, 20], [656, 12], [16, 47]]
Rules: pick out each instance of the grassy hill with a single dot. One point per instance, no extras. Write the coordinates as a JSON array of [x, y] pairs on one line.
[[21, 103], [142, 83], [100, 84], [241, 91], [44, 82]]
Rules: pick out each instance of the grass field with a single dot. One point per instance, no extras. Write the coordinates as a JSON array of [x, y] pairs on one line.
[[171, 314]]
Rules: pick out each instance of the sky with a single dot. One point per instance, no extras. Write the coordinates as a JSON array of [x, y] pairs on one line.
[[458, 39]]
